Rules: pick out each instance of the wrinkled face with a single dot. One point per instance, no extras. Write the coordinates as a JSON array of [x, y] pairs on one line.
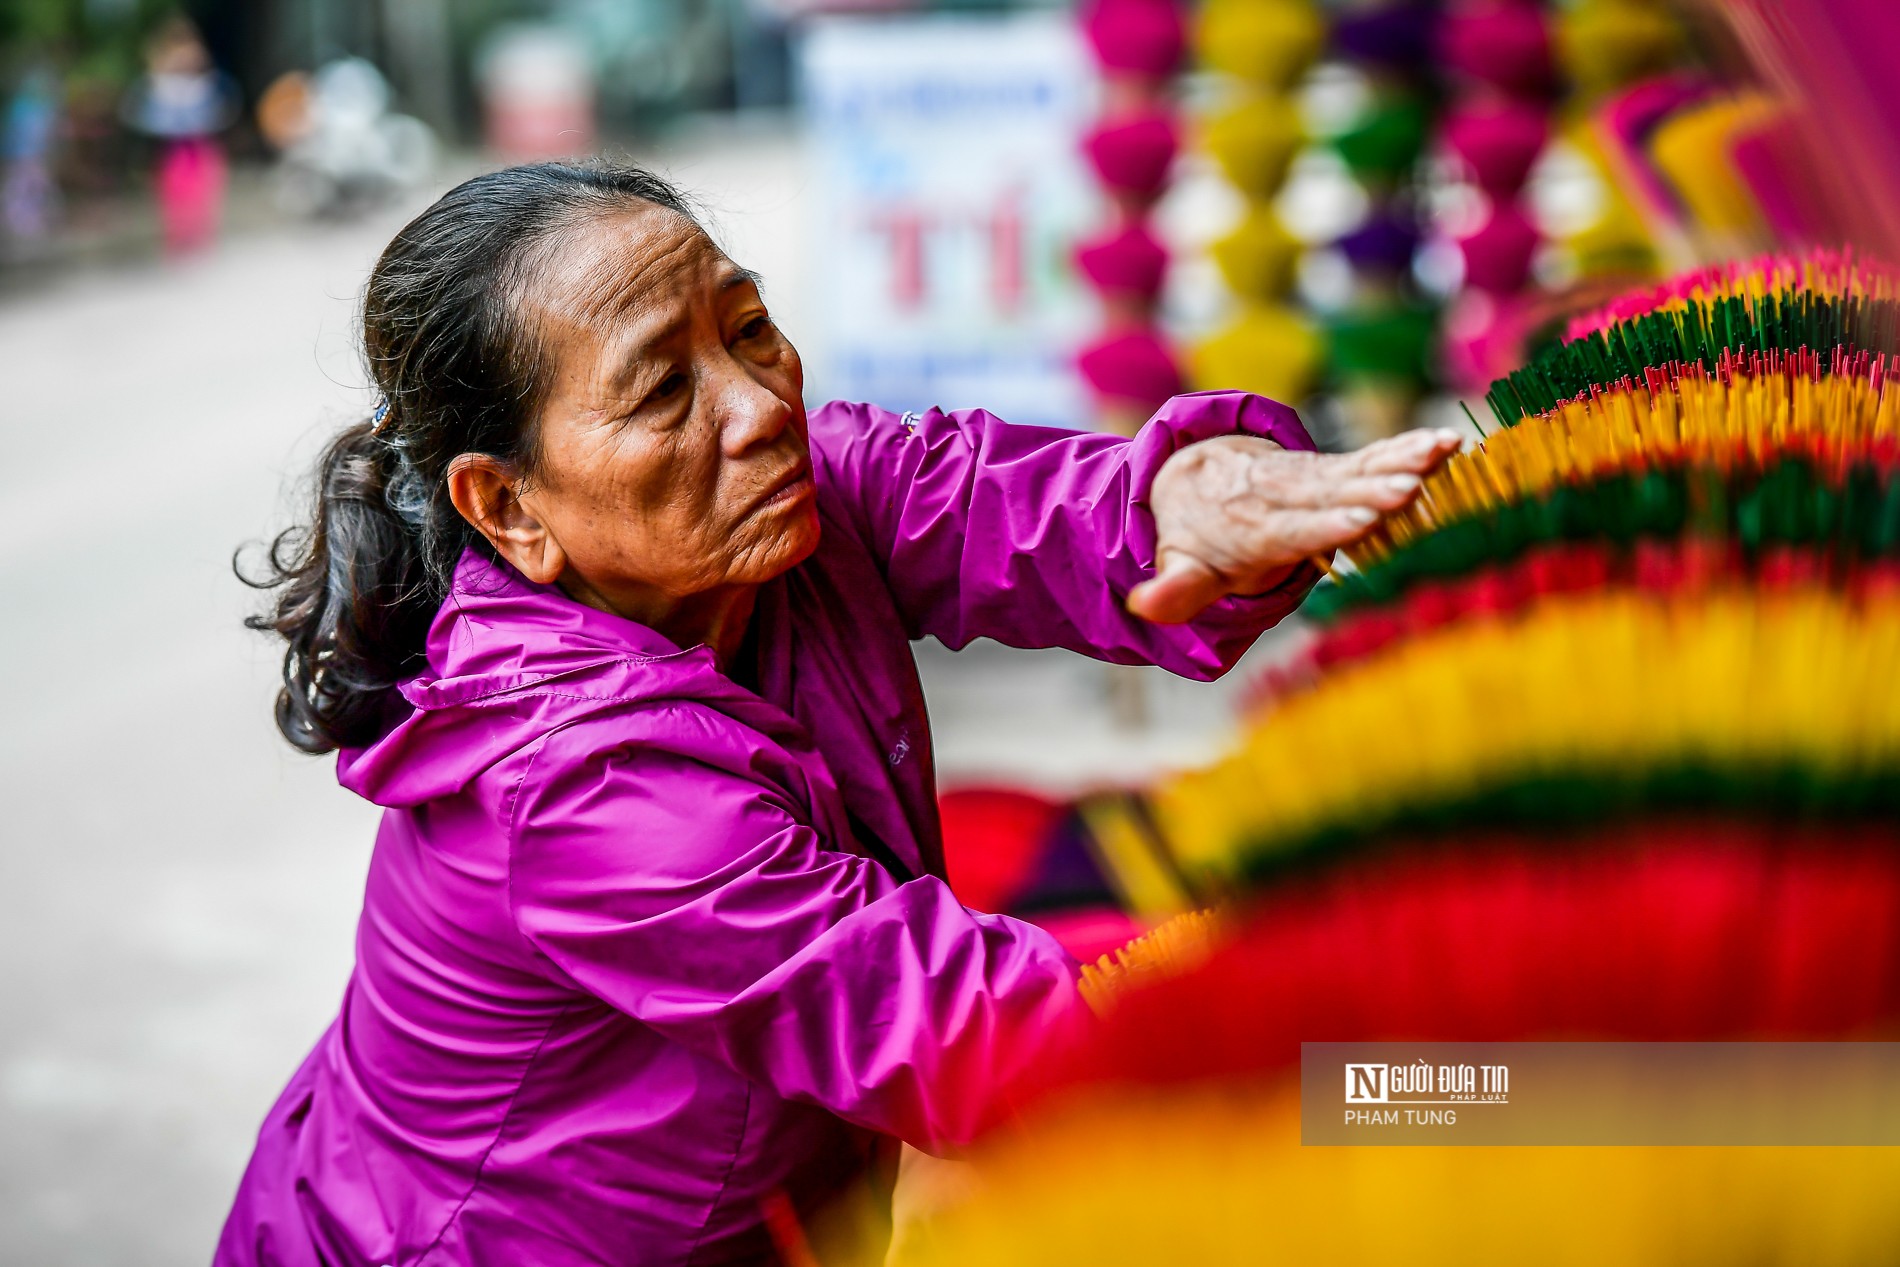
[[673, 452]]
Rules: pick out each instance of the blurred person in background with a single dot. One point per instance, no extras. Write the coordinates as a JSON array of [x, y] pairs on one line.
[[29, 198], [656, 955], [183, 101]]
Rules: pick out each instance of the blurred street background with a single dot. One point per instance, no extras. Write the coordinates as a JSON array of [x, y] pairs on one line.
[[1063, 212]]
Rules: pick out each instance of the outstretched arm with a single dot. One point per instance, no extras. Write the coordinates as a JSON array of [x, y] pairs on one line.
[[1038, 537]]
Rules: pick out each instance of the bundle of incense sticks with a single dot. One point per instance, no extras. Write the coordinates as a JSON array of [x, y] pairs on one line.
[[1667, 590], [1736, 515], [1177, 946], [1583, 705], [1700, 332], [1213, 1174], [1177, 1131], [1823, 271], [1818, 301], [1529, 565], [1766, 443], [1596, 740]]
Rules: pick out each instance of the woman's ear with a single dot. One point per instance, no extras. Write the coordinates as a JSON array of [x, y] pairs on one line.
[[488, 495]]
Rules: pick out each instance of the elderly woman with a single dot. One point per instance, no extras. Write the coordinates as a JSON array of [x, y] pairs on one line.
[[656, 935]]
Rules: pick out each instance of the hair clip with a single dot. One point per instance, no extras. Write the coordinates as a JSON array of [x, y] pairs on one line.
[[380, 416]]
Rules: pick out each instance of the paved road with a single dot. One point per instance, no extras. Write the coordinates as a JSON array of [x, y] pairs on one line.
[[177, 888]]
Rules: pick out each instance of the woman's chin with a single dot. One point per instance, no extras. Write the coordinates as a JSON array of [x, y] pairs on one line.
[[801, 534], [793, 529]]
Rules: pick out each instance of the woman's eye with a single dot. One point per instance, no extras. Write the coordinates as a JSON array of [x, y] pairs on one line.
[[668, 386], [755, 327]]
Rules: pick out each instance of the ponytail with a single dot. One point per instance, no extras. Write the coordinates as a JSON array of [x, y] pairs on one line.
[[358, 585], [353, 603]]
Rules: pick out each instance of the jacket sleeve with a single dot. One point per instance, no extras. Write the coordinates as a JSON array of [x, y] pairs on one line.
[[1034, 536], [690, 896]]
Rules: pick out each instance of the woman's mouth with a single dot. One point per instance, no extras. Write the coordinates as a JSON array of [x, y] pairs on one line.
[[793, 486]]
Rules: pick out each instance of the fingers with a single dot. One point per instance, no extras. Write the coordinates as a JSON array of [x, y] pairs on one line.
[[1412, 453], [1186, 583], [1255, 512], [1181, 587], [1303, 533], [1324, 492], [1384, 475]]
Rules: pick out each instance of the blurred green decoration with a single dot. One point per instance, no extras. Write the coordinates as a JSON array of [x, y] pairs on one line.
[[93, 50], [1384, 146], [1381, 331], [653, 59], [1394, 344], [89, 40]]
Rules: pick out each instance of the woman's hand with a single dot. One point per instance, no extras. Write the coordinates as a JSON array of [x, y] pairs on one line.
[[1233, 515]]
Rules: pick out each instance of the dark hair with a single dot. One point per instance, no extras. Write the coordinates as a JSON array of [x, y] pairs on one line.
[[460, 372]]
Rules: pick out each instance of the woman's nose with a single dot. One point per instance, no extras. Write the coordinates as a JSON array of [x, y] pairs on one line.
[[750, 413]]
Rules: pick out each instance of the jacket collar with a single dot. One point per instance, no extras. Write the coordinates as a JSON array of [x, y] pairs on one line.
[[508, 661]]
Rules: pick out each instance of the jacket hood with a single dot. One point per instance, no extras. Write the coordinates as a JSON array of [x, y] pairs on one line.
[[510, 661]]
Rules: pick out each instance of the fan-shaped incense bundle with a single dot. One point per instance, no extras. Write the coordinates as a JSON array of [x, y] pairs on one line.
[[1837, 273], [1599, 739], [1722, 697], [1766, 448]]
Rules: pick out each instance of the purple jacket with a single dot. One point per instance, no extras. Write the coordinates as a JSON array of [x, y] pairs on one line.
[[641, 947]]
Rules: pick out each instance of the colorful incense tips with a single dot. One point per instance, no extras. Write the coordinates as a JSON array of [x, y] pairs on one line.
[[1666, 585]]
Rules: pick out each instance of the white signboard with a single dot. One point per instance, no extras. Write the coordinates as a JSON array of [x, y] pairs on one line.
[[949, 193]]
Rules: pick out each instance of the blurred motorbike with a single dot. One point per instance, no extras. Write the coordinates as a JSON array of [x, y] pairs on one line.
[[342, 151]]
